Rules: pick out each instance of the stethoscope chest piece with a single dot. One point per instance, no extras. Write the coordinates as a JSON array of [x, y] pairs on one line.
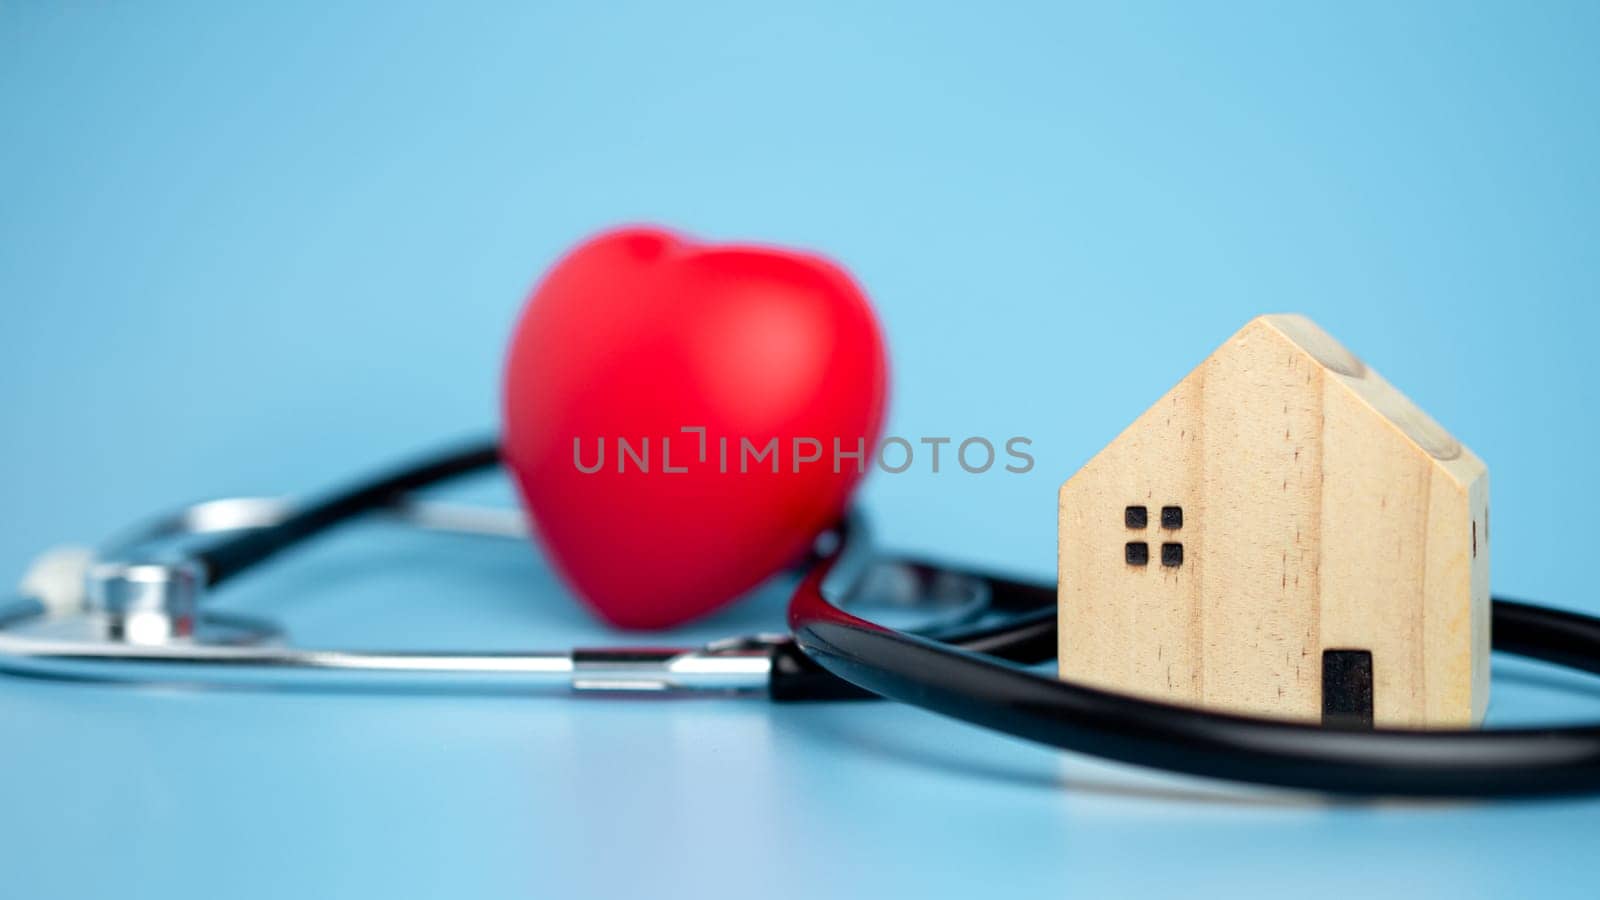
[[85, 616], [154, 603]]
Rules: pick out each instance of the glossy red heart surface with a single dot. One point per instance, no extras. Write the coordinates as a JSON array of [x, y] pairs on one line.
[[646, 377]]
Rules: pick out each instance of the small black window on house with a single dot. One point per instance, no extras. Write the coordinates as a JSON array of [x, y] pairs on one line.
[[1137, 553], [1171, 555], [1135, 517], [1172, 517]]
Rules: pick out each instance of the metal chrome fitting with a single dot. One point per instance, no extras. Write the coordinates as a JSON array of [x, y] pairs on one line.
[[145, 602]]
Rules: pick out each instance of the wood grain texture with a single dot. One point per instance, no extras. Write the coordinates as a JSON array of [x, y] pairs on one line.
[[1321, 510]]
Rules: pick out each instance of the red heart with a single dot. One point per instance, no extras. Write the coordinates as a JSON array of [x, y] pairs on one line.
[[638, 334]]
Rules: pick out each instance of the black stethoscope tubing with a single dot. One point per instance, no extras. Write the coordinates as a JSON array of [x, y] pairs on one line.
[[976, 688]]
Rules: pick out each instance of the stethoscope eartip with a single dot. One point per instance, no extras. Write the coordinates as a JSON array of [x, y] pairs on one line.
[[57, 579]]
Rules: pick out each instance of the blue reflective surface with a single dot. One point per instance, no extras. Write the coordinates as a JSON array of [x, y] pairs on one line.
[[256, 251]]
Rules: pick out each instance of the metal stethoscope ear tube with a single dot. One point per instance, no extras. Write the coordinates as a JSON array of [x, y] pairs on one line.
[[134, 610]]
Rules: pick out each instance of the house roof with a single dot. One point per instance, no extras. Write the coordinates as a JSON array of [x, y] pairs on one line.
[[1384, 399]]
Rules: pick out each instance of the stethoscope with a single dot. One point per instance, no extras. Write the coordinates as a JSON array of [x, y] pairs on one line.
[[134, 611]]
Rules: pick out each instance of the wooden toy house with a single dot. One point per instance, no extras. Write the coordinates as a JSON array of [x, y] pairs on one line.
[[1284, 534]]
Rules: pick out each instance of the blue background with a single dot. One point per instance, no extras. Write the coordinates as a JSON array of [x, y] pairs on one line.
[[261, 250]]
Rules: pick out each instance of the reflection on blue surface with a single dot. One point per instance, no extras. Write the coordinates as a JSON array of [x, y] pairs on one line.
[[247, 251]]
